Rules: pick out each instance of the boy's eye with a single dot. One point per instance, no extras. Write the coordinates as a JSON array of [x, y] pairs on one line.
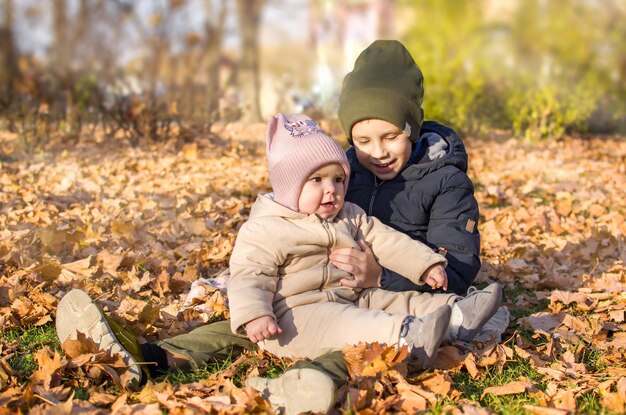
[[362, 142], [391, 137]]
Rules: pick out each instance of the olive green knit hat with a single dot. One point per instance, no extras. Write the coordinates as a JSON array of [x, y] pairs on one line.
[[385, 83]]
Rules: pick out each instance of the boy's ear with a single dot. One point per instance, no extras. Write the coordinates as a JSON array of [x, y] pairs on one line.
[[272, 125]]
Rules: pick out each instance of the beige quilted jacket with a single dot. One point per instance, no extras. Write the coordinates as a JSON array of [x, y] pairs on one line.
[[280, 259]]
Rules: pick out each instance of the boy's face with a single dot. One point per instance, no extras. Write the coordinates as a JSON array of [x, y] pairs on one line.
[[323, 192], [381, 147]]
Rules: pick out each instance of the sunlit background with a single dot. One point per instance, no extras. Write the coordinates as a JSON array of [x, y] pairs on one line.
[[152, 68]]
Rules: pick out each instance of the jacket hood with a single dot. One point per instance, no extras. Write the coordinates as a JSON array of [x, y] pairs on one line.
[[456, 155]]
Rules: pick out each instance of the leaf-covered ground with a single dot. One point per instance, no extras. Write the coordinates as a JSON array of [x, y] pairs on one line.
[[136, 226]]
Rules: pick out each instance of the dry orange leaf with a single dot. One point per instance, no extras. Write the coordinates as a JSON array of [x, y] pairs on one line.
[[543, 410], [512, 388], [47, 374], [438, 382]]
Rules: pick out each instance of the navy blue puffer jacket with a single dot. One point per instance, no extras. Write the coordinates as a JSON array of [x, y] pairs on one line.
[[431, 201]]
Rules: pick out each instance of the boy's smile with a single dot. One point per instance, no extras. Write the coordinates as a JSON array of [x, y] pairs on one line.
[[323, 193], [381, 147], [383, 168]]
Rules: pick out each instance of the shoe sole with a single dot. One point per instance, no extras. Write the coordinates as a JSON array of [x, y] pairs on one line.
[[78, 313]]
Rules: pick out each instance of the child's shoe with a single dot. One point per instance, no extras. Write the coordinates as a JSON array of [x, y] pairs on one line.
[[470, 314], [78, 313], [425, 334], [297, 391]]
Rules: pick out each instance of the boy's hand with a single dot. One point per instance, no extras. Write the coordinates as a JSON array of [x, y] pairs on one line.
[[436, 277], [262, 328], [361, 264]]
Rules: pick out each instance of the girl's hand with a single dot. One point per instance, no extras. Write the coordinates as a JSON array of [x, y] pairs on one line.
[[436, 277], [262, 328], [361, 264]]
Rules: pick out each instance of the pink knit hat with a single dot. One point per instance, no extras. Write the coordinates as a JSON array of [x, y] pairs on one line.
[[295, 148]]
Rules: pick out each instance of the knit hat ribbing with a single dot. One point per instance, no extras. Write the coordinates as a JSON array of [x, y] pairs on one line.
[[386, 84], [295, 148]]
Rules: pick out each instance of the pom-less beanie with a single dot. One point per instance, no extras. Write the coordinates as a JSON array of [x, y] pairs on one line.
[[295, 148], [386, 84]]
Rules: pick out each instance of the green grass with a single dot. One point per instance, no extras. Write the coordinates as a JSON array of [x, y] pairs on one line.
[[589, 403], [26, 341], [515, 291], [185, 375], [592, 358], [275, 371], [181, 376], [513, 370], [82, 394]]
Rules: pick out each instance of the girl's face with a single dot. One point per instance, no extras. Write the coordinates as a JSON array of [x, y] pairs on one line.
[[381, 147], [323, 193]]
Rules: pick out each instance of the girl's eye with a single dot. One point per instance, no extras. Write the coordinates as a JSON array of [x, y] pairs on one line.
[[316, 179], [362, 142], [339, 179]]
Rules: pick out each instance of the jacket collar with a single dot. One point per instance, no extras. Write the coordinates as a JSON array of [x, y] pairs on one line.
[[266, 206]]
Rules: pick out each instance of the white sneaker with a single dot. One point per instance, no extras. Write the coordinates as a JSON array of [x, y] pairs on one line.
[[297, 391], [78, 313]]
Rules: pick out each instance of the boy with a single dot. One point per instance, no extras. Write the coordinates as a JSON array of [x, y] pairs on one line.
[[408, 173]]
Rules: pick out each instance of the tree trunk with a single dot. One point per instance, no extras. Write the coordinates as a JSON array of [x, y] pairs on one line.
[[249, 16], [214, 32], [8, 58], [81, 25], [60, 56]]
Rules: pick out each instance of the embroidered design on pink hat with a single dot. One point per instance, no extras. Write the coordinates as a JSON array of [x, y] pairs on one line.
[[302, 128]]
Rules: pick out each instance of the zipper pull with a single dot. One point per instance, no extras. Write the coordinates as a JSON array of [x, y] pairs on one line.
[[373, 195]]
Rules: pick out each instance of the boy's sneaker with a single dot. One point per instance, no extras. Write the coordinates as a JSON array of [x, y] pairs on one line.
[[78, 313], [471, 313], [297, 391], [425, 334]]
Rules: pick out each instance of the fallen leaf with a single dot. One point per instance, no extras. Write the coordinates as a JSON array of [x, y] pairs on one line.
[[542, 321], [47, 374], [512, 388], [542, 410]]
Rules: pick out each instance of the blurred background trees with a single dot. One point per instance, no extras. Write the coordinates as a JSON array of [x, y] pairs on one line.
[[153, 69], [541, 67]]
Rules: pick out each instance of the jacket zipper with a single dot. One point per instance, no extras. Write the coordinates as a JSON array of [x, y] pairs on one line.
[[330, 242], [373, 195]]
